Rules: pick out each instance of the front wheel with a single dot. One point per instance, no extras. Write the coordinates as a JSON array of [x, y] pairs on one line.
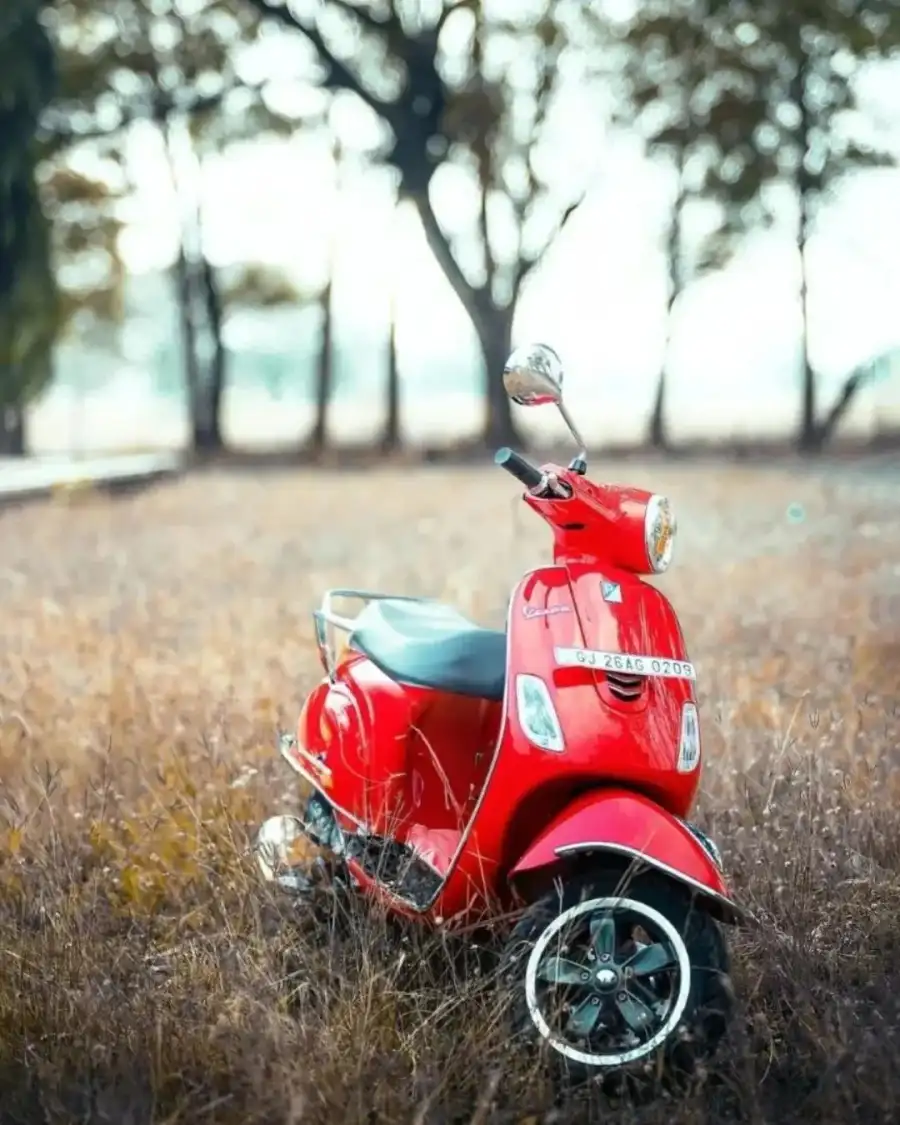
[[616, 977]]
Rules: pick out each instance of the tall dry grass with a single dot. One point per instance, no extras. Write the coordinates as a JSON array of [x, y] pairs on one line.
[[151, 648]]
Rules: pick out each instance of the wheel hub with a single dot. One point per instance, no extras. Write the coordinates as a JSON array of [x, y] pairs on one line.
[[607, 979], [621, 997]]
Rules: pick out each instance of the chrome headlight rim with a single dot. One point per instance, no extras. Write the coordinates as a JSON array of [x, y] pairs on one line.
[[660, 529]]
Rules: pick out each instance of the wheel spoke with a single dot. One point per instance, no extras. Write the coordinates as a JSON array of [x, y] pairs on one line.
[[557, 970], [642, 992], [652, 959], [583, 1018], [603, 935], [634, 1011]]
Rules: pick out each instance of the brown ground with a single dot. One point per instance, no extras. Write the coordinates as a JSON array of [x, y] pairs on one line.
[[152, 645]]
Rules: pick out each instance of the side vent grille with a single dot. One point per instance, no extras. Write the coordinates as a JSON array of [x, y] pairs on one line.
[[624, 686]]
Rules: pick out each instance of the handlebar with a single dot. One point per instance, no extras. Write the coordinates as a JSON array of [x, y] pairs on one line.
[[519, 467]]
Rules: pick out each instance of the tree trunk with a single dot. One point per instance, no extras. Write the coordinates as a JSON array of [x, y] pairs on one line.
[[495, 338], [199, 306], [390, 441], [204, 381], [214, 382], [202, 425], [206, 431], [184, 300], [810, 434], [809, 439], [13, 440], [857, 379], [324, 372], [657, 432], [493, 325]]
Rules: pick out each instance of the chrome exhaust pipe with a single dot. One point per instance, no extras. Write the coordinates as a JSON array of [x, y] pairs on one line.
[[274, 848]]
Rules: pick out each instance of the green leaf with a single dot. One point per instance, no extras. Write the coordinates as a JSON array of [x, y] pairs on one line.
[[265, 287]]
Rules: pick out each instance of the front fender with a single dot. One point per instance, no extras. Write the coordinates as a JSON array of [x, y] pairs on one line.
[[622, 823]]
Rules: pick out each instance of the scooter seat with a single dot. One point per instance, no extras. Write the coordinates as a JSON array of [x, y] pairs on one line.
[[427, 644]]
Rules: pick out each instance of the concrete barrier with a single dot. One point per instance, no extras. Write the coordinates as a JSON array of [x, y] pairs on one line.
[[31, 477]]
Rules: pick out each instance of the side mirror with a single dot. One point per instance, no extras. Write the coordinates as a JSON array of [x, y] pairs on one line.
[[533, 376]]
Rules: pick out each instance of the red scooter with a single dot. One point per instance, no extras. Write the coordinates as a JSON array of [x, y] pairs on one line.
[[462, 773]]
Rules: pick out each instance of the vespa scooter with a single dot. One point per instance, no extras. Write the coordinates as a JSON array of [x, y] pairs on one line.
[[458, 773]]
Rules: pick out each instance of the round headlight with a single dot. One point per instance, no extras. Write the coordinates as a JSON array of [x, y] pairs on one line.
[[659, 533]]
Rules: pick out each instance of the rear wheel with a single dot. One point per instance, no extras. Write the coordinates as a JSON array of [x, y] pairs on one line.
[[619, 980]]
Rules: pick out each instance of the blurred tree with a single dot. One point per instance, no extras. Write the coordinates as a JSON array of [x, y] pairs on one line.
[[260, 287], [28, 303], [776, 106], [82, 209], [324, 367], [825, 48], [30, 318], [391, 438], [176, 67], [679, 83], [458, 89], [883, 365], [324, 376]]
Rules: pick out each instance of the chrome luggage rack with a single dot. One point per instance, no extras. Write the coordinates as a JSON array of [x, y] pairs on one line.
[[326, 620]]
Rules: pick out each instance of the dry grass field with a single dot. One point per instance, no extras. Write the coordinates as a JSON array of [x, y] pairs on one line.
[[152, 645]]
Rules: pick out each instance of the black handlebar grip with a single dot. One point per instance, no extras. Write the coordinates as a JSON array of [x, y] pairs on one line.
[[522, 469]]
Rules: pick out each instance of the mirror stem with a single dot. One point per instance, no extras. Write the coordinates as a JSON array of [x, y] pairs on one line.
[[581, 459]]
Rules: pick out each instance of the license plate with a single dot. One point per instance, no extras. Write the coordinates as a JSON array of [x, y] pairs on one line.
[[629, 663]]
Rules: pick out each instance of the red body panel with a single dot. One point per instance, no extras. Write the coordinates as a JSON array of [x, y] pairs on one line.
[[622, 822], [458, 779], [350, 738], [608, 743], [599, 524], [396, 759]]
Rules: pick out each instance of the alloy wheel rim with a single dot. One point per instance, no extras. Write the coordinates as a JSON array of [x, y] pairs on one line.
[[623, 1000]]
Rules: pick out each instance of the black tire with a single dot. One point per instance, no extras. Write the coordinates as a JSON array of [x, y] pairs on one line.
[[709, 1003]]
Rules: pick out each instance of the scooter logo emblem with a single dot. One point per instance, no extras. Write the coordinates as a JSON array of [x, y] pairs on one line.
[[611, 591], [530, 611]]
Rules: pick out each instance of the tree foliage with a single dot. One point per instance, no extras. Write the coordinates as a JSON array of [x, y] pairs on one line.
[[258, 286], [123, 61], [82, 207], [181, 69], [763, 95], [761, 102]]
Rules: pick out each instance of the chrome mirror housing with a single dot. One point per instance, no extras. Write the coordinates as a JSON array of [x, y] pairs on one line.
[[533, 376]]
